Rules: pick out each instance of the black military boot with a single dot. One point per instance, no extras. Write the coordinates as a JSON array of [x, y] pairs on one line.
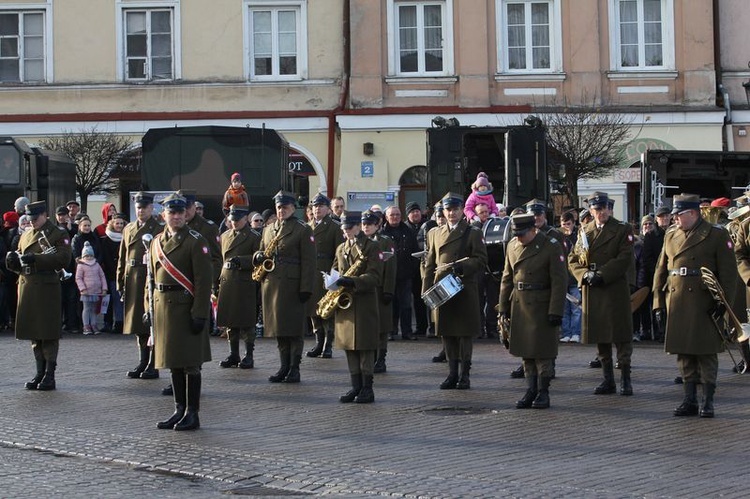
[[463, 381], [41, 366], [142, 363], [319, 341], [689, 406], [284, 369], [328, 347], [151, 372], [530, 395], [517, 373], [542, 398], [293, 375], [380, 366], [349, 396], [167, 391], [48, 381], [179, 387], [234, 353], [707, 411], [439, 357], [247, 361], [596, 363], [366, 395], [190, 420], [607, 386], [452, 380], [626, 388]]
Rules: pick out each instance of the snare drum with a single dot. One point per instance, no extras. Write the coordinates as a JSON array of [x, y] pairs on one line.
[[445, 289]]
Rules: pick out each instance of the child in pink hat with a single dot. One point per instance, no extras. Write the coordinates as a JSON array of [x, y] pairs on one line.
[[481, 193]]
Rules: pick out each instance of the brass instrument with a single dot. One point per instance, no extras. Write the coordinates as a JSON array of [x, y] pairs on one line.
[[737, 329], [340, 298], [711, 214], [581, 248], [735, 220], [267, 265], [503, 325], [49, 249]]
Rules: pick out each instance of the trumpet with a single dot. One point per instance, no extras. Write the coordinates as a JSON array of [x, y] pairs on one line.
[[49, 249], [738, 330]]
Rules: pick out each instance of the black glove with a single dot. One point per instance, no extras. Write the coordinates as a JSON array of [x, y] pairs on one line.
[[387, 298], [554, 320], [146, 319], [345, 282], [660, 315], [28, 258], [304, 296], [197, 326], [258, 258], [718, 310], [12, 260], [593, 278], [458, 268], [235, 262]]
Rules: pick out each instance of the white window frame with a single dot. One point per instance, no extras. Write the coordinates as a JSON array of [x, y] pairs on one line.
[[393, 40], [667, 32], [46, 10], [249, 6], [121, 7], [555, 38]]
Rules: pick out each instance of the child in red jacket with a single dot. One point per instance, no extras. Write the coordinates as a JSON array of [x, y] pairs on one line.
[[236, 194]]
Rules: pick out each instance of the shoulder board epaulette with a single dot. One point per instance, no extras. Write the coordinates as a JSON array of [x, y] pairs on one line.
[[623, 223], [472, 227], [195, 234], [301, 222], [337, 222], [552, 239], [60, 228], [385, 237], [210, 222]]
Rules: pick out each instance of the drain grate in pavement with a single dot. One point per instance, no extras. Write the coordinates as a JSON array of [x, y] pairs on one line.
[[261, 491], [456, 411]]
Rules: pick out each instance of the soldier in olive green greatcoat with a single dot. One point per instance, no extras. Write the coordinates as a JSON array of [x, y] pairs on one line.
[[328, 236], [131, 280], [357, 327], [237, 291], [180, 264], [603, 275], [290, 245], [457, 248], [678, 288], [532, 296], [43, 249], [370, 225]]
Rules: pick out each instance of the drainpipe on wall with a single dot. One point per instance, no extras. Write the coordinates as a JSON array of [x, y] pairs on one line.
[[343, 98], [727, 127]]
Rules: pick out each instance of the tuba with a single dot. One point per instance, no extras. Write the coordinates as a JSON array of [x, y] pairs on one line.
[[711, 214], [267, 265], [339, 298], [737, 329]]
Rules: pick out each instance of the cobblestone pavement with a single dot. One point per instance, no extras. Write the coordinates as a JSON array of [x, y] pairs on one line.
[[96, 435]]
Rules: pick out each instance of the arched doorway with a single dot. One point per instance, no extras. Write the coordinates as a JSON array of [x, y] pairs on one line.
[[413, 187]]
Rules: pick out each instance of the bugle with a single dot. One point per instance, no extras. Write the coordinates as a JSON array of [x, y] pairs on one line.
[[49, 249], [736, 327]]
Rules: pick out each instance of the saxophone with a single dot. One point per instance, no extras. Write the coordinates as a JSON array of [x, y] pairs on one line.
[[267, 265], [340, 298]]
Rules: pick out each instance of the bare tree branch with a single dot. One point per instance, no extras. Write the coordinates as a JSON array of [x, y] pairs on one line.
[[585, 143], [96, 154]]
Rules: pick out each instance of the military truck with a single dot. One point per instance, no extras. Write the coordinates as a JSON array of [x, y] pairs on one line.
[[710, 174], [37, 174], [203, 159], [513, 157]]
